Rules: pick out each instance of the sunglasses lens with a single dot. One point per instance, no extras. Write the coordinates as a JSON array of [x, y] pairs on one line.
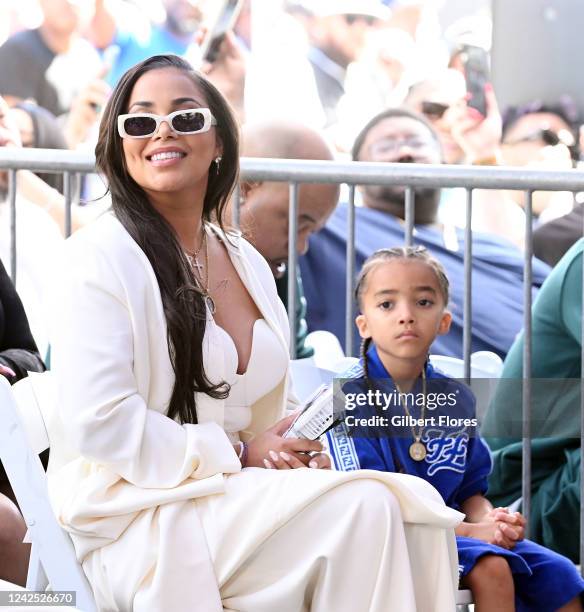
[[550, 137], [189, 122], [139, 126], [434, 110]]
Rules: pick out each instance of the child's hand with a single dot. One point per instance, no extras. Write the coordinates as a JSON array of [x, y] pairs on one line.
[[498, 533], [516, 520]]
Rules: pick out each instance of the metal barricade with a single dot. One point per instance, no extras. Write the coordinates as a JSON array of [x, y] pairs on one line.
[[296, 172]]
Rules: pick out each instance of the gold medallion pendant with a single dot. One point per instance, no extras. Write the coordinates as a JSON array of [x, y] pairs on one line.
[[418, 451]]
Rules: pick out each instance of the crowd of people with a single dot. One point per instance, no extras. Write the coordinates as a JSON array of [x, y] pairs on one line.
[[166, 333]]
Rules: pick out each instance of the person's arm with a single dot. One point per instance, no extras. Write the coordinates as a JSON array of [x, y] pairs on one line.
[[476, 508], [479, 137], [36, 191], [483, 522], [102, 28], [493, 525], [570, 299], [18, 350], [227, 73]]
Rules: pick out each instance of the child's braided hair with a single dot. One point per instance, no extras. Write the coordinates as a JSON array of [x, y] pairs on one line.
[[411, 253]]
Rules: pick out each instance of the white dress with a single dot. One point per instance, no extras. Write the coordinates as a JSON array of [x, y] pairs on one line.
[[161, 515]]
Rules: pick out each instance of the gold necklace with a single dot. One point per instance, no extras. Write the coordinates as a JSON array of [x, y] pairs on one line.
[[193, 258], [417, 448], [194, 263]]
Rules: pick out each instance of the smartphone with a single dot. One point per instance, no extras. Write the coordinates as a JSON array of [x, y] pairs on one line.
[[316, 416], [224, 21], [477, 75]]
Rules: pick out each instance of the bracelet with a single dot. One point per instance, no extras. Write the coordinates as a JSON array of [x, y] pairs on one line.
[[242, 455]]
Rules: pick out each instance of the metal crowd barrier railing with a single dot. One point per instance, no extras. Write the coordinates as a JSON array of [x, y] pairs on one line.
[[295, 172]]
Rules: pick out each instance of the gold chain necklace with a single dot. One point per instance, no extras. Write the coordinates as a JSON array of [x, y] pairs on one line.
[[196, 268], [417, 448]]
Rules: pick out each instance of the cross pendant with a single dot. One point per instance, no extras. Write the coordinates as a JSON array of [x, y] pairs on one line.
[[197, 265], [194, 261]]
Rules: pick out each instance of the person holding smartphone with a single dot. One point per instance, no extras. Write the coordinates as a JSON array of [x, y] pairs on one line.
[[181, 33]]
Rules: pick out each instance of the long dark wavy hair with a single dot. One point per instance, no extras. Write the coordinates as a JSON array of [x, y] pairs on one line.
[[182, 300]]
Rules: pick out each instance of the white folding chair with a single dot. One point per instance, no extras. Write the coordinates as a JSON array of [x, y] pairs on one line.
[[307, 377], [327, 348], [23, 435], [463, 600]]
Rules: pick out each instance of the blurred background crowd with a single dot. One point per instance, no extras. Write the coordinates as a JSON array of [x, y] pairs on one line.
[[328, 65]]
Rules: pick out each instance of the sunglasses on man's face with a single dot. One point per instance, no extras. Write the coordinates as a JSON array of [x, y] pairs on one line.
[[434, 110], [545, 136], [368, 19], [144, 125]]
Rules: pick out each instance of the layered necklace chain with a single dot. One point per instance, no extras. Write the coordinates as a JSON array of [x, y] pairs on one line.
[[417, 449], [202, 278]]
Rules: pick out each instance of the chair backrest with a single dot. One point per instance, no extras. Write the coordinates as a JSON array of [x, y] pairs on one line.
[[307, 377], [327, 348], [22, 435]]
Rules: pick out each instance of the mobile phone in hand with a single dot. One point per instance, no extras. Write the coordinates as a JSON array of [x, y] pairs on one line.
[[477, 75], [316, 416], [224, 21]]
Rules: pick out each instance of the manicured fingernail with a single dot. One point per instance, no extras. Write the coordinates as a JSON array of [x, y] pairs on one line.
[[488, 87], [267, 464], [313, 464], [274, 455], [285, 456]]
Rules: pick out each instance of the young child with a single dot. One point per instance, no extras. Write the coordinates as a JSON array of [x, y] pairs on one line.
[[418, 421]]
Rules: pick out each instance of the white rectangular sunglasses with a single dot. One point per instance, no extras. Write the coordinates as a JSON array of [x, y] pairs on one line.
[[144, 125]]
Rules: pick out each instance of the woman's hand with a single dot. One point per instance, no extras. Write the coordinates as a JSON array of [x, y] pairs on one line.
[[283, 461], [270, 449]]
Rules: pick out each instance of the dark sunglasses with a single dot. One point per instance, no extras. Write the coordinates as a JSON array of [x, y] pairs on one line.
[[548, 137], [144, 125], [368, 19], [434, 110]]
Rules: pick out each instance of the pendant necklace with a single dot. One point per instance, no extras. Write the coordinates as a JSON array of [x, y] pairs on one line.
[[417, 448], [196, 267]]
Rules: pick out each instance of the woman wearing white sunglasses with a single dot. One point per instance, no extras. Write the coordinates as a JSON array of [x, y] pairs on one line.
[[171, 354]]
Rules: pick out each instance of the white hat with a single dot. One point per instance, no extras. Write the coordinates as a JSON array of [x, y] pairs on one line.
[[326, 8]]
